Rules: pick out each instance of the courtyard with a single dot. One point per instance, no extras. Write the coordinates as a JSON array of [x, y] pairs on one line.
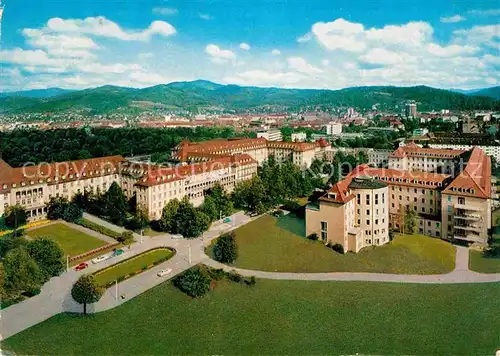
[[282, 317], [278, 245], [72, 241]]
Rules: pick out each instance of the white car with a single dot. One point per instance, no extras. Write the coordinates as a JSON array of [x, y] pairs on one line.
[[177, 236], [164, 272], [100, 259]]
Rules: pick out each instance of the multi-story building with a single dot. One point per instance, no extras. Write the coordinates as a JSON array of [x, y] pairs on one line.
[[378, 158], [333, 128], [453, 206], [354, 214], [154, 186], [299, 137], [414, 158], [411, 110], [300, 153], [270, 135]]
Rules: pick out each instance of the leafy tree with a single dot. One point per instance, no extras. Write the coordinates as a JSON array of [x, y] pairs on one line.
[[21, 272], [116, 204], [61, 208], [15, 216], [195, 282], [72, 213], [86, 291], [210, 209], [167, 221], [48, 255], [56, 208], [191, 222], [410, 222], [125, 236], [225, 249], [251, 195], [222, 201], [10, 242]]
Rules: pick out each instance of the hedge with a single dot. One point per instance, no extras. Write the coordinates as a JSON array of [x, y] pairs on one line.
[[99, 228]]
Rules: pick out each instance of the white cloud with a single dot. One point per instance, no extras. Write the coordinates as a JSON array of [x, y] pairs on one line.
[[487, 35], [146, 55], [489, 12], [450, 51], [413, 34], [305, 38], [61, 45], [302, 66], [275, 52], [339, 35], [245, 46], [218, 54], [383, 56], [325, 62], [452, 19], [101, 26], [165, 11], [205, 16], [32, 58]]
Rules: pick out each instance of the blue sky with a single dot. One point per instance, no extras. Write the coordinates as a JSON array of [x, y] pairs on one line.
[[301, 44]]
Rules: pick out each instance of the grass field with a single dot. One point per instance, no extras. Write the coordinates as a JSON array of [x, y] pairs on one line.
[[479, 263], [282, 317], [135, 264], [271, 244], [72, 241]]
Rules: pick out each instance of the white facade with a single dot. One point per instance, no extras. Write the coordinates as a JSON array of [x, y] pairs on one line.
[[333, 129], [299, 137], [493, 151], [271, 135]]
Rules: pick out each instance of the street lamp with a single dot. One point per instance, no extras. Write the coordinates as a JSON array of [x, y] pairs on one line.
[[142, 233], [116, 289], [67, 263]]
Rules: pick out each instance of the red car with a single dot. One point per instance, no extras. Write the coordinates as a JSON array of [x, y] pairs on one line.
[[81, 266]]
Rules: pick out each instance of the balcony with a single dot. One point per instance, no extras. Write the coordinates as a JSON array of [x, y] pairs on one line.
[[468, 207], [468, 227], [469, 217], [470, 238]]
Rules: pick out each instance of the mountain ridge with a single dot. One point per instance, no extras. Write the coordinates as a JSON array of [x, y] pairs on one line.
[[199, 94]]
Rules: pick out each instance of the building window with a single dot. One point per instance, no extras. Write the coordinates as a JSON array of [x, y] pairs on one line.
[[367, 199], [376, 199], [367, 212], [367, 222], [450, 209], [359, 199], [449, 197], [461, 201], [324, 228]]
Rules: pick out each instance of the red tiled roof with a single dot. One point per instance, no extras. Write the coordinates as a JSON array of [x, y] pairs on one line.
[[163, 175], [413, 150], [60, 172]]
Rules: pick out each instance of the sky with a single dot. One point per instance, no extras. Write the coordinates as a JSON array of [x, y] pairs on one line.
[[283, 43]]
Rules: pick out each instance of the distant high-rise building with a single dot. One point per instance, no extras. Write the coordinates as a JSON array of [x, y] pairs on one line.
[[411, 110], [333, 128]]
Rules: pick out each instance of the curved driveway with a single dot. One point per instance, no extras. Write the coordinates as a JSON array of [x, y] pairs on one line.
[[55, 296]]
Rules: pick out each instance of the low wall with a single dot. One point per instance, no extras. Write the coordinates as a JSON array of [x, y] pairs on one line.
[[91, 252]]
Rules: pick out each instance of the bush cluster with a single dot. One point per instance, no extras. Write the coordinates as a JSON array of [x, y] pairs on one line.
[[313, 236]]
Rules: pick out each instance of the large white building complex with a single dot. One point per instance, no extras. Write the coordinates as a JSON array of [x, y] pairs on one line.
[[451, 192], [202, 165]]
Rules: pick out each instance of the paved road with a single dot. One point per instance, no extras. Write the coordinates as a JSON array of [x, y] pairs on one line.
[[56, 294]]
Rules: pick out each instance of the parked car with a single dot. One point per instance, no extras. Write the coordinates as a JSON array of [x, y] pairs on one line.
[[81, 266], [177, 236], [100, 259], [164, 272], [118, 252], [226, 220]]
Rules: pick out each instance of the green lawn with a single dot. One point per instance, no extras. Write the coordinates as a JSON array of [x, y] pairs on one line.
[[135, 264], [282, 317], [479, 263], [271, 244], [72, 241]]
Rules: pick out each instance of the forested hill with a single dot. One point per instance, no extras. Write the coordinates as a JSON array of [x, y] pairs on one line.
[[204, 94]]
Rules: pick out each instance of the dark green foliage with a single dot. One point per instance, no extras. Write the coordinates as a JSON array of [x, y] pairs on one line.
[[313, 236], [15, 216], [86, 291], [492, 252], [183, 218], [20, 146], [21, 272], [338, 248], [235, 276], [61, 208], [99, 228], [9, 242], [125, 236], [167, 221], [225, 249], [115, 204], [48, 255], [410, 221], [195, 282]]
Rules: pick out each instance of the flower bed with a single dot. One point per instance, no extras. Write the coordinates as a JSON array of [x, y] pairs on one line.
[[27, 226]]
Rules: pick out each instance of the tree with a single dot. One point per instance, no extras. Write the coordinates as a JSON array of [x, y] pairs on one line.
[[10, 242], [86, 291], [225, 249], [61, 208], [15, 216], [48, 255], [222, 201], [195, 282], [167, 221], [56, 208], [72, 212], [410, 222], [210, 209], [251, 195], [21, 272], [191, 222], [115, 204]]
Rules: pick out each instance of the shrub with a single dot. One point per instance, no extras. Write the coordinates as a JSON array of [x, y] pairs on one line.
[[250, 281], [338, 248], [278, 213], [216, 274], [98, 228], [313, 236], [235, 276], [195, 282], [125, 236], [492, 252], [290, 205], [225, 249]]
